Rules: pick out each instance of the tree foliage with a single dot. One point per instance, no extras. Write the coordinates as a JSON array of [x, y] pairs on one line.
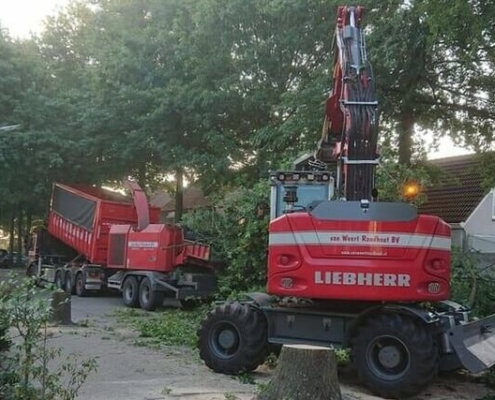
[[433, 63], [223, 90], [34, 368], [237, 230]]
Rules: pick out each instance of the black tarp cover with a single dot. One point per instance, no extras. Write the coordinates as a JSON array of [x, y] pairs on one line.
[[76, 209]]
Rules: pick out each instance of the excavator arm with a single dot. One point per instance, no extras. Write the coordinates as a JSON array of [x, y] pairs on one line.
[[349, 136]]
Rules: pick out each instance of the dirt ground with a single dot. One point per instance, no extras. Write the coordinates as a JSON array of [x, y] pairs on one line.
[[129, 371]]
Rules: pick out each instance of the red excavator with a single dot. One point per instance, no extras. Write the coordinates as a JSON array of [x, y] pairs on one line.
[[346, 270]]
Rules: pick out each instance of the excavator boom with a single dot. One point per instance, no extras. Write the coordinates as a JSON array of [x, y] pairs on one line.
[[349, 136]]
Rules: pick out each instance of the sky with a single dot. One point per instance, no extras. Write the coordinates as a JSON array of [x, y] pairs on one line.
[[21, 17]]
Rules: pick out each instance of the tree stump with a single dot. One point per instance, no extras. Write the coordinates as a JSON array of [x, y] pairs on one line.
[[304, 373], [61, 308]]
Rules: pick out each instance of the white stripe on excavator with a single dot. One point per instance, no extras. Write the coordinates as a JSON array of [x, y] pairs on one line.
[[342, 238]]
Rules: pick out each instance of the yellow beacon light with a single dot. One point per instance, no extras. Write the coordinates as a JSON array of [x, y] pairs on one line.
[[411, 190]]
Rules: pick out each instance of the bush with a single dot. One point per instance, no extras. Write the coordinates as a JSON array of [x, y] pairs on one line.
[[471, 284], [238, 236], [25, 371], [7, 377], [4, 333]]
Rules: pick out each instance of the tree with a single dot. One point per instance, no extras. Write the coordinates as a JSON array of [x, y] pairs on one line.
[[432, 70], [223, 90]]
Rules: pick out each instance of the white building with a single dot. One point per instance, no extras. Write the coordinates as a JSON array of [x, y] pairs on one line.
[[463, 201]]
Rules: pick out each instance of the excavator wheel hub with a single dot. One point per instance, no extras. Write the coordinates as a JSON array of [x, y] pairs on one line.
[[389, 356], [227, 339]]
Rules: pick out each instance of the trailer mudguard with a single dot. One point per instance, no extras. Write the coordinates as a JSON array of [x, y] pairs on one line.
[[474, 344]]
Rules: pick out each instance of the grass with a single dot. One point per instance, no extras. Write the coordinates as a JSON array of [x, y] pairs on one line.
[[342, 356], [166, 390], [271, 361], [85, 323], [246, 378], [261, 387], [171, 326]]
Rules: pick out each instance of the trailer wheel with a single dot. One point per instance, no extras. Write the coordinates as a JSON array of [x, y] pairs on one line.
[[395, 355], [130, 292], [80, 289], [233, 338], [59, 280], [149, 299]]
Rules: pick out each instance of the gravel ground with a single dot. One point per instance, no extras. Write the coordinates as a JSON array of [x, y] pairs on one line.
[[127, 371]]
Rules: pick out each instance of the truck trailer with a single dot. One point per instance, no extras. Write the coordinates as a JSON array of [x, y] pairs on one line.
[[96, 239]]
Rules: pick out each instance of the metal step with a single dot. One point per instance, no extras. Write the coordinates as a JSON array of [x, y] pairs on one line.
[[115, 281]]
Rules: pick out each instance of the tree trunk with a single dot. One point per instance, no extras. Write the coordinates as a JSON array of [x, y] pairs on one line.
[[304, 373], [406, 132], [19, 235], [27, 234], [179, 194], [61, 308], [11, 232], [141, 178]]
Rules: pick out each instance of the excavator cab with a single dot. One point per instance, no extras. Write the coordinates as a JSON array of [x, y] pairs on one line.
[[293, 191], [296, 189]]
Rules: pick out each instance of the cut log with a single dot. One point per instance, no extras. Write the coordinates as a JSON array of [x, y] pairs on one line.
[[304, 373], [61, 308]]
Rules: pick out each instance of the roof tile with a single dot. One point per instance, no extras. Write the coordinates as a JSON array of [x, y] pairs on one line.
[[455, 199]]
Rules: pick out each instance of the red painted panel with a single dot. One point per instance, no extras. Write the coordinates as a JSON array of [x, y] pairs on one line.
[[359, 260], [111, 208], [197, 250], [155, 248]]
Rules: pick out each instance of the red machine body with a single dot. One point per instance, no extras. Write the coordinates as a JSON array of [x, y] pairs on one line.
[[158, 247], [334, 115], [354, 247], [81, 216], [114, 231], [359, 260], [97, 239]]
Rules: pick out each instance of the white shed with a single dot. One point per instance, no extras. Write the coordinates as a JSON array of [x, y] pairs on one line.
[[480, 225]]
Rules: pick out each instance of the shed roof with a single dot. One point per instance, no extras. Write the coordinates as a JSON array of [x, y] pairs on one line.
[[160, 199], [456, 197], [192, 197]]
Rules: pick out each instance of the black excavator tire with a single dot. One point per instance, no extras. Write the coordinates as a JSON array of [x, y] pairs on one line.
[[244, 345], [416, 352]]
